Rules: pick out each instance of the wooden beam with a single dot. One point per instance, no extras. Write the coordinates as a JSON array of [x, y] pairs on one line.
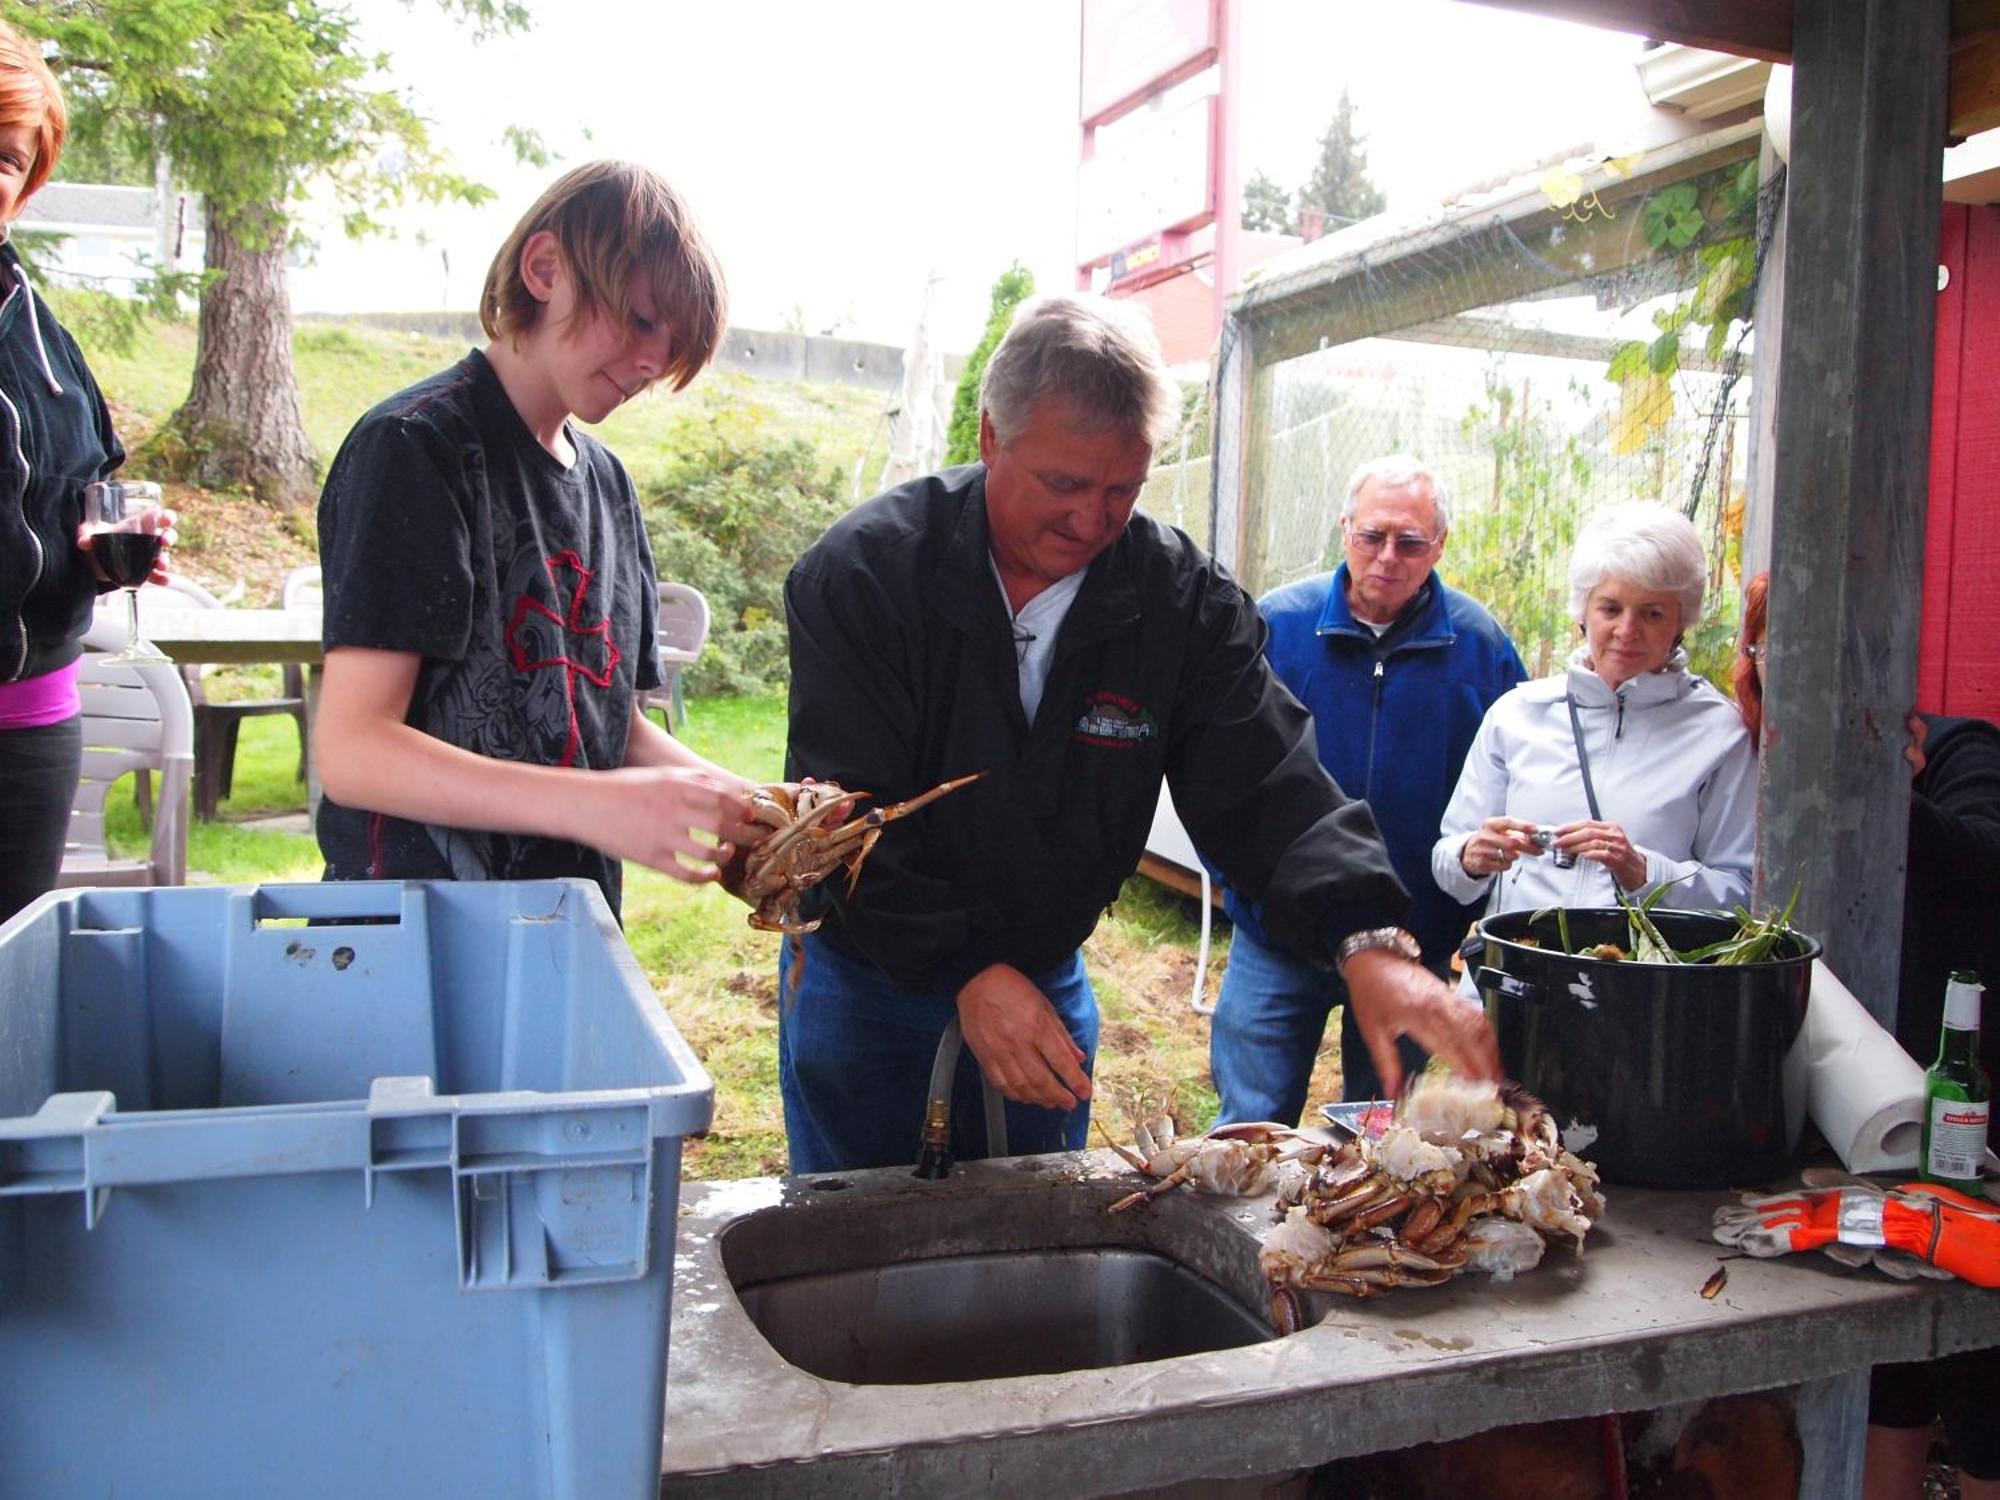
[[1763, 28], [1853, 460], [1181, 882], [1975, 85], [1969, 17], [1749, 28]]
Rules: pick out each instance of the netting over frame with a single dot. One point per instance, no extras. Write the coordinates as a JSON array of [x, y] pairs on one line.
[[1490, 352]]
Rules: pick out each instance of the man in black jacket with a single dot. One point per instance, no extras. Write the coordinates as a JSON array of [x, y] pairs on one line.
[[1954, 868], [1015, 617]]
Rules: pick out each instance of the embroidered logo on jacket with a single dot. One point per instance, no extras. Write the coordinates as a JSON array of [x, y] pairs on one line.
[[1114, 721]]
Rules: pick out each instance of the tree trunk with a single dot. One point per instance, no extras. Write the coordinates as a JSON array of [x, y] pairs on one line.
[[240, 425]]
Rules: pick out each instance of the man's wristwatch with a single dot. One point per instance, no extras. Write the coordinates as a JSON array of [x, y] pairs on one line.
[[1395, 939]]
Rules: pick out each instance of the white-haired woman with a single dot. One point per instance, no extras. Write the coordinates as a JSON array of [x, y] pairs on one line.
[[1639, 770]]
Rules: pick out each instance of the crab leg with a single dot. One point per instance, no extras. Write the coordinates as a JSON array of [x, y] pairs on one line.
[[1132, 1158], [863, 828], [1151, 1191], [782, 840], [902, 809], [1424, 1218]]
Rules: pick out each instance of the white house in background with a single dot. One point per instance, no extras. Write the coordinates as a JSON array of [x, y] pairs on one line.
[[109, 237]]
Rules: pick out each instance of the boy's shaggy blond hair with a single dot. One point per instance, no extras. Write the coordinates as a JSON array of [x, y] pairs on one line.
[[615, 222]]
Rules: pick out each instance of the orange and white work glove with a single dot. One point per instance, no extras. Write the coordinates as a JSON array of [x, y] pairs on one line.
[[1935, 1225]]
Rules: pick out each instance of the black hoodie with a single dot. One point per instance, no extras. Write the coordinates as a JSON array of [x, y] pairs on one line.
[[55, 437]]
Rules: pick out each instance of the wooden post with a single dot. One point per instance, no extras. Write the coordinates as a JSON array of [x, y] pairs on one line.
[[1853, 450]]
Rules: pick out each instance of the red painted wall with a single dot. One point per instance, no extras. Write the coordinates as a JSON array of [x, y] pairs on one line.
[[1958, 667]]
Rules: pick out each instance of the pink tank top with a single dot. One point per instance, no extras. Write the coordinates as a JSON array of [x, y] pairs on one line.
[[35, 701]]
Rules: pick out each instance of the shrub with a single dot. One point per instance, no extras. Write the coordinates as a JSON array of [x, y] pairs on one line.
[[730, 514]]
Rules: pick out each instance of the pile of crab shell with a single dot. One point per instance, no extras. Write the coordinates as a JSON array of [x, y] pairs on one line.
[[1468, 1177]]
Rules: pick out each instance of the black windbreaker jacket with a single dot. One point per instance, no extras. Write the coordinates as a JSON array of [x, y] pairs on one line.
[[1954, 868], [55, 437], [904, 675]]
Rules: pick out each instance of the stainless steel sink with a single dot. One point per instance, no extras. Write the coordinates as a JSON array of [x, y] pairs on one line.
[[1027, 1275], [980, 1317]]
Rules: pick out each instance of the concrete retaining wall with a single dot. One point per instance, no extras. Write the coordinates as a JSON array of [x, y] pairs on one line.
[[774, 355]]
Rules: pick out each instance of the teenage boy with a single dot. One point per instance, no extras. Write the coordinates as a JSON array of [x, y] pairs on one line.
[[489, 589]]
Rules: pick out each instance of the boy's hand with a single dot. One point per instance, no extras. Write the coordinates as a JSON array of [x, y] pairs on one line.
[[683, 822]]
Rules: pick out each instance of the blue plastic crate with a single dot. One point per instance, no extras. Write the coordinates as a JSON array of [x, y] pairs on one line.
[[377, 1207]]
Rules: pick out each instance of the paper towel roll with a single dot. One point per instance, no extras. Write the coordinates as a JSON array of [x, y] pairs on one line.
[[1862, 1091]]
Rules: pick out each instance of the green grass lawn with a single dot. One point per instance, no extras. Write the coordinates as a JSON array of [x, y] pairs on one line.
[[718, 979]]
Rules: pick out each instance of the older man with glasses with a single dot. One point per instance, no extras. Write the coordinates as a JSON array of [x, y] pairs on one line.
[[1397, 669]]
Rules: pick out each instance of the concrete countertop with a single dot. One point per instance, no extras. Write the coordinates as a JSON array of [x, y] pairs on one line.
[[1622, 1328]]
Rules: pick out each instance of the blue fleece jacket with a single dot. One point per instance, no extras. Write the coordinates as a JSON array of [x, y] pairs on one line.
[[1394, 718]]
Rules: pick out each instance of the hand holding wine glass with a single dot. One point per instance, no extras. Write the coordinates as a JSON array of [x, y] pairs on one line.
[[127, 532]]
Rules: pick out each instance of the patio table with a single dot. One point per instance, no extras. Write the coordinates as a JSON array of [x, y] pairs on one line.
[[237, 637]]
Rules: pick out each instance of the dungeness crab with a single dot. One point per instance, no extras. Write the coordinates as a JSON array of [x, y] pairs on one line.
[[1230, 1161], [802, 849], [1470, 1177], [1467, 1177]]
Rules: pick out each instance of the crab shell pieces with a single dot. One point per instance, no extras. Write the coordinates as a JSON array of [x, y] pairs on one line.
[[802, 851]]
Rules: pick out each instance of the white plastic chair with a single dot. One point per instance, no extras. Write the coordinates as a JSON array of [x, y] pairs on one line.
[[137, 716], [218, 724], [682, 632], [303, 589]]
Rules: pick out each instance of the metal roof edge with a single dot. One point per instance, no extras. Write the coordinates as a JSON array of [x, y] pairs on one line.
[[1278, 285]]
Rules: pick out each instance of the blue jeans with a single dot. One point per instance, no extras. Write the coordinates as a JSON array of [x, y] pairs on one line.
[[855, 1051], [1268, 1022]]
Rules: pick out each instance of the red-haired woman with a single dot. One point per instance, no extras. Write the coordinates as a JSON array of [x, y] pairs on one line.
[[55, 438]]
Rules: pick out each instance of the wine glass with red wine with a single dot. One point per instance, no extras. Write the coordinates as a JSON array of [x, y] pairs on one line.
[[125, 538]]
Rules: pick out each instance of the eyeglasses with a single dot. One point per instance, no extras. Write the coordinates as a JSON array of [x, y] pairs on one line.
[[1755, 651], [1407, 543]]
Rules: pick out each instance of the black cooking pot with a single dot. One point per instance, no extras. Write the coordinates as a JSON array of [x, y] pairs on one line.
[[1686, 1073]]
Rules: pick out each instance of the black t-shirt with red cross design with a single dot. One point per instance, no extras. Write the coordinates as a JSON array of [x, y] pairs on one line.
[[447, 531]]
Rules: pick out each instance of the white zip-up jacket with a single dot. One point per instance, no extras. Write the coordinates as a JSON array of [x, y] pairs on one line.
[[1672, 766]]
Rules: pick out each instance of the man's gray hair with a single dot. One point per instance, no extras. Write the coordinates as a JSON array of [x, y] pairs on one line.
[[1395, 471], [1644, 544], [1098, 355]]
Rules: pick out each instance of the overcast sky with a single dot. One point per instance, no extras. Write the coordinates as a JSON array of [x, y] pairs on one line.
[[841, 153]]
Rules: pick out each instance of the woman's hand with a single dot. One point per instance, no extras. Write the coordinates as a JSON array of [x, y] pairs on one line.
[[1914, 751], [1495, 845], [152, 521], [1607, 845]]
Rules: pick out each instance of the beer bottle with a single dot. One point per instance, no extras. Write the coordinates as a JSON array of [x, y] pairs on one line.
[[1957, 1093]]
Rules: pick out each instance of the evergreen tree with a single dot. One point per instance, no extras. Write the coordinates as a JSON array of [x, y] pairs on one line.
[[1339, 186], [251, 101], [1015, 286], [1266, 205]]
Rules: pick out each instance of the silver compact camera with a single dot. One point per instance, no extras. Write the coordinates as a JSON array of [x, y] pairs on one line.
[[1545, 839]]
